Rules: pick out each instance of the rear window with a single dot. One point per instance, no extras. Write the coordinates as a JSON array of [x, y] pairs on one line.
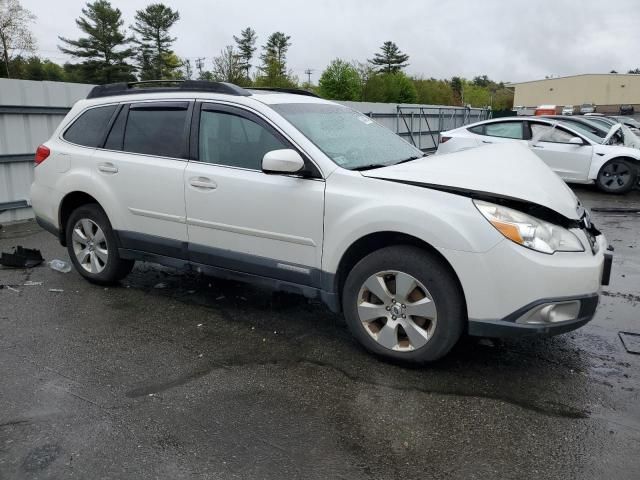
[[89, 128], [504, 130], [157, 129]]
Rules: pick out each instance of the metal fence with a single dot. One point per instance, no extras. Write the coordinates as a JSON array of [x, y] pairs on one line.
[[30, 111], [420, 124]]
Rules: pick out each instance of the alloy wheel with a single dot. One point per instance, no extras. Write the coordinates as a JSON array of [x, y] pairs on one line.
[[90, 246], [616, 175], [397, 310]]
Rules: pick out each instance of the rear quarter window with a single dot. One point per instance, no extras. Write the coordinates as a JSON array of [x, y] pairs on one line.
[[90, 127]]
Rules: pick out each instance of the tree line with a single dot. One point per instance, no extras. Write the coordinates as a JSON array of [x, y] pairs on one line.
[[110, 51]]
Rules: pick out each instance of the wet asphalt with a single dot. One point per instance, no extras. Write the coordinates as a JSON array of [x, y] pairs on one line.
[[175, 375]]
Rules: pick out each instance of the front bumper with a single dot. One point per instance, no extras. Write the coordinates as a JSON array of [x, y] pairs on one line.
[[510, 326]]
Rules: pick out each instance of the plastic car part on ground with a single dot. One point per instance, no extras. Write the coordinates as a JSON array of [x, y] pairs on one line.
[[60, 266], [21, 258]]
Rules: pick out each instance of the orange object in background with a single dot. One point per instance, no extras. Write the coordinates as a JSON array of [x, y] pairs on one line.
[[545, 110]]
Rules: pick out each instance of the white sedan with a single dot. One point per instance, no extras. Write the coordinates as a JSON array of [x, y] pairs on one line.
[[573, 152]]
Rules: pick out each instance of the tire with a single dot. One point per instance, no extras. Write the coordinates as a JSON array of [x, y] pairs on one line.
[[377, 323], [93, 248], [617, 176]]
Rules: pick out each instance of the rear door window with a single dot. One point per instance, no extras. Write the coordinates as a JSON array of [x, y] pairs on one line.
[[89, 128], [504, 130], [158, 129]]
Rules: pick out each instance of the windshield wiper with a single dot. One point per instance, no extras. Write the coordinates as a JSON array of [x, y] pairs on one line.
[[371, 166], [410, 159], [368, 167]]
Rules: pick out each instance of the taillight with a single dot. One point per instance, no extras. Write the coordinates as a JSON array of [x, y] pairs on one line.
[[41, 154], [444, 139]]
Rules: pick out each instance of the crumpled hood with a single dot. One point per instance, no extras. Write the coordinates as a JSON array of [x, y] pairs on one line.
[[506, 170]]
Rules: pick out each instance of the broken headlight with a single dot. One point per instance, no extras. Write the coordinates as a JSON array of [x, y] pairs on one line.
[[529, 231]]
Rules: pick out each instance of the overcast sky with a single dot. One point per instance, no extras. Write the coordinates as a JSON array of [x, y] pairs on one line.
[[505, 39]]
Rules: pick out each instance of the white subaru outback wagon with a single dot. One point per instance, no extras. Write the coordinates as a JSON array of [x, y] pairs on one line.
[[305, 195]]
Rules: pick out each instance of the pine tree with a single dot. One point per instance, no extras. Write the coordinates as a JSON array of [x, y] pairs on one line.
[[274, 54], [391, 59], [152, 24], [246, 48], [105, 49]]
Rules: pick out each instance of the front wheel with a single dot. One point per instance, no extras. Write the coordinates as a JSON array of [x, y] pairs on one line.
[[617, 176], [404, 303], [93, 248]]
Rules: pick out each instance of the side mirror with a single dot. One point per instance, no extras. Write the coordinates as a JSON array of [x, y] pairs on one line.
[[282, 161], [576, 141]]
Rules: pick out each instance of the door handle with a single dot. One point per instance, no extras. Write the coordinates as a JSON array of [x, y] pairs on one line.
[[537, 146], [485, 141], [203, 182], [107, 168]]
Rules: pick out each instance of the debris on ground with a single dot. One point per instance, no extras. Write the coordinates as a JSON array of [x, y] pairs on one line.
[[21, 258], [30, 283], [160, 285], [57, 290], [9, 287], [630, 341], [60, 266]]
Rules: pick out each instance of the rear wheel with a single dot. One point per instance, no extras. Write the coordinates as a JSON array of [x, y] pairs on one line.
[[92, 246], [617, 176], [404, 303]]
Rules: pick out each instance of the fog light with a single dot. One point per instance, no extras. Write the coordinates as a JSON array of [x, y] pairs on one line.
[[555, 312]]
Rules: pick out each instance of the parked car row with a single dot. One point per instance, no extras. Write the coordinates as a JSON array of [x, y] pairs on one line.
[[301, 194], [579, 150]]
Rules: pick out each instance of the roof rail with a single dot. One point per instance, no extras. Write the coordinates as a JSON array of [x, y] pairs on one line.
[[130, 88], [297, 91]]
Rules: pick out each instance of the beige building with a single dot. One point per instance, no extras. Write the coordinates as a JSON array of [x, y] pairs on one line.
[[607, 91]]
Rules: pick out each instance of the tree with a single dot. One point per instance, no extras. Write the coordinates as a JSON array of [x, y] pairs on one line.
[[246, 48], [152, 24], [391, 59], [273, 71], [433, 92], [15, 36], [365, 72], [228, 67], [481, 81], [187, 69], [105, 50], [391, 88], [274, 54], [458, 89], [340, 81], [635, 71]]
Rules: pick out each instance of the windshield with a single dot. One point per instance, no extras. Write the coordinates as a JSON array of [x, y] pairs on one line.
[[349, 138]]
